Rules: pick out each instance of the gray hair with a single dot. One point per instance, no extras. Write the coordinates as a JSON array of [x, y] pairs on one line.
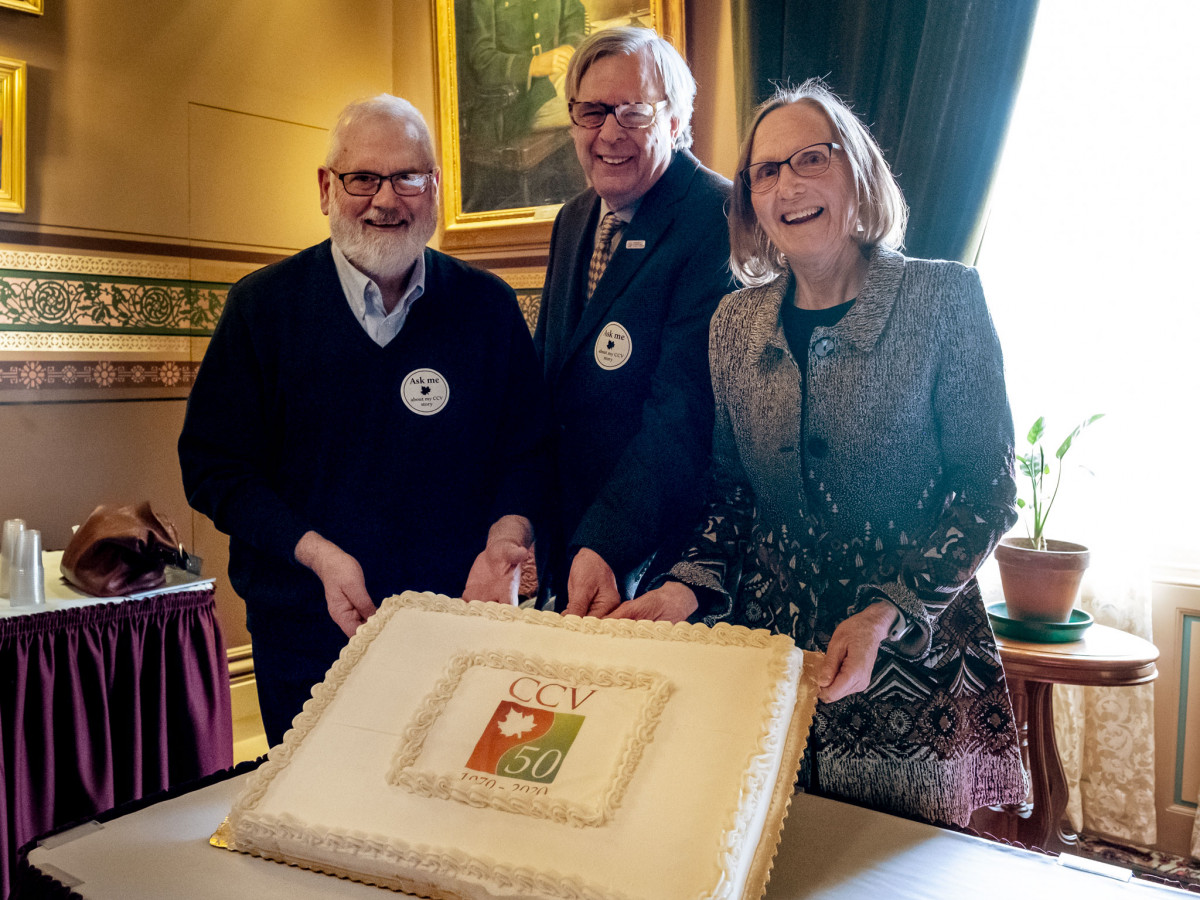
[[674, 76], [882, 212], [383, 106]]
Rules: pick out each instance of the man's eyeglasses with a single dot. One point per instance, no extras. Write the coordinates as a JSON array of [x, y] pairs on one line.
[[587, 114], [367, 184], [807, 162]]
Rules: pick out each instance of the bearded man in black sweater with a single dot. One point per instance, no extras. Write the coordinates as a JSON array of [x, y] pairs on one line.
[[368, 417]]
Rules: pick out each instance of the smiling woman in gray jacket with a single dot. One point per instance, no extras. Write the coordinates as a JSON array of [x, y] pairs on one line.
[[862, 470]]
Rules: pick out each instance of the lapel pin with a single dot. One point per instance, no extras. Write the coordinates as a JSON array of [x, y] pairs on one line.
[[635, 245]]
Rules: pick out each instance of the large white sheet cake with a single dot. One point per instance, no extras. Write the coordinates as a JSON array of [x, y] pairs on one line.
[[470, 750]]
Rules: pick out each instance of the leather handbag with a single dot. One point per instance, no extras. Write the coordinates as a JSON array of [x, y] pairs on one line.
[[122, 550]]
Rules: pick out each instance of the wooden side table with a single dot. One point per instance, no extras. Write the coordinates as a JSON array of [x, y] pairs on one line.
[[1105, 657]]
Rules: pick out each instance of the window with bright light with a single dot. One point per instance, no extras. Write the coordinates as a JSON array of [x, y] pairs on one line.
[[1091, 263]]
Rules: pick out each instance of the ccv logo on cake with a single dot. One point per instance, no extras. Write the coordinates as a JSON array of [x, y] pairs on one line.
[[525, 742], [425, 391]]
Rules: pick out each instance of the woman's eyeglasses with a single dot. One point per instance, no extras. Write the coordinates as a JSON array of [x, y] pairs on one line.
[[807, 162]]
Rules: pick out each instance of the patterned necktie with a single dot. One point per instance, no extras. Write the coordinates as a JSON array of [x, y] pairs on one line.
[[603, 251]]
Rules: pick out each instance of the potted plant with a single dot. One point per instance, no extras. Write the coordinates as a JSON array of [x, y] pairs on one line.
[[1041, 577]]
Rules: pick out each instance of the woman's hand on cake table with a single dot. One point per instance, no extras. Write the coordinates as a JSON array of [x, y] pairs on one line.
[[495, 575], [852, 650], [673, 602], [591, 586], [346, 594]]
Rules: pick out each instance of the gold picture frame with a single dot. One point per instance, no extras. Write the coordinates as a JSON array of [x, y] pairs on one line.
[[12, 135], [502, 183], [29, 6]]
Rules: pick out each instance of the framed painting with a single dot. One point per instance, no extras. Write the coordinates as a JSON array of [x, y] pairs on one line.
[[29, 6], [12, 135], [508, 158]]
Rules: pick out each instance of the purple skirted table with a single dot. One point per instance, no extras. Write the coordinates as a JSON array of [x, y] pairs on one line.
[[103, 701]]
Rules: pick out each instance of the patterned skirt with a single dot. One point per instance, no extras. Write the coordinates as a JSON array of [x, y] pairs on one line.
[[932, 738]]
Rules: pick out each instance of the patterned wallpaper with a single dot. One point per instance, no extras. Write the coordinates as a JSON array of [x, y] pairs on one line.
[[114, 304], [87, 323], [528, 287], [75, 327]]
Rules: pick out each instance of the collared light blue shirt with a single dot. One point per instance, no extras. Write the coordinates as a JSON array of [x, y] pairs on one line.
[[366, 300]]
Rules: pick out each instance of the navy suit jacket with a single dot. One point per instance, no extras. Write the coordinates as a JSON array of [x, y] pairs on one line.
[[632, 404]]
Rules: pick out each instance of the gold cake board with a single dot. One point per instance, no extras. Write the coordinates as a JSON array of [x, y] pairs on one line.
[[220, 839]]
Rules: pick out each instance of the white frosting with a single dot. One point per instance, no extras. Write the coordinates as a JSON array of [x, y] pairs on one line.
[[666, 796]]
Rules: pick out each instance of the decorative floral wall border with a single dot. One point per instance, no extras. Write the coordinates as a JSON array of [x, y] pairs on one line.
[[36, 261], [91, 343], [72, 323], [85, 323], [70, 301], [528, 287], [34, 374]]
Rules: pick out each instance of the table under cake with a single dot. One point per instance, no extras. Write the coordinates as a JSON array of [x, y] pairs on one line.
[[829, 851], [106, 700]]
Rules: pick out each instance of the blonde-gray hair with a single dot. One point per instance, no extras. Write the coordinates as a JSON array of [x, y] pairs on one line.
[[882, 212], [679, 87]]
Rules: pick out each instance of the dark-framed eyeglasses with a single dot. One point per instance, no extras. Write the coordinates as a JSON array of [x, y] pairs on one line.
[[367, 184], [807, 162], [587, 114]]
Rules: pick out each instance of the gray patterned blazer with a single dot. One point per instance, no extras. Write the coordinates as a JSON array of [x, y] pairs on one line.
[[879, 467]]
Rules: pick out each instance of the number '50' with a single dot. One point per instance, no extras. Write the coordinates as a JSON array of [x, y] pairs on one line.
[[539, 766]]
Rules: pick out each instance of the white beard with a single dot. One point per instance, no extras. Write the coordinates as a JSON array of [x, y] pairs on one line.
[[380, 255]]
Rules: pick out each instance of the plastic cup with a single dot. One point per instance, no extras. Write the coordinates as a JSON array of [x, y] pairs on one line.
[[8, 551], [28, 574]]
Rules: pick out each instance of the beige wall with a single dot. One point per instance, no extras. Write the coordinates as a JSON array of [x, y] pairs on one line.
[[710, 52], [64, 459], [193, 121]]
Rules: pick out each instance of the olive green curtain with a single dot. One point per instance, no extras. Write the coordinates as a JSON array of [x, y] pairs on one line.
[[935, 80]]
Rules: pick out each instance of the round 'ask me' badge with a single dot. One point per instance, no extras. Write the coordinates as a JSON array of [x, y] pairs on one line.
[[613, 346], [425, 391]]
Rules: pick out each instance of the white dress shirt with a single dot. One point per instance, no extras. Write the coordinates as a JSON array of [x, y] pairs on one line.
[[366, 300]]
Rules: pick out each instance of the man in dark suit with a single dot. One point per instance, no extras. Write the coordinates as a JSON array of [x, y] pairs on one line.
[[638, 263], [368, 417]]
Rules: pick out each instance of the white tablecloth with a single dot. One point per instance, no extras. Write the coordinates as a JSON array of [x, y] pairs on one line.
[[60, 595], [829, 851]]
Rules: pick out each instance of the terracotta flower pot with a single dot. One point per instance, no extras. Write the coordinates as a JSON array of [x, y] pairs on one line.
[[1040, 585]]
